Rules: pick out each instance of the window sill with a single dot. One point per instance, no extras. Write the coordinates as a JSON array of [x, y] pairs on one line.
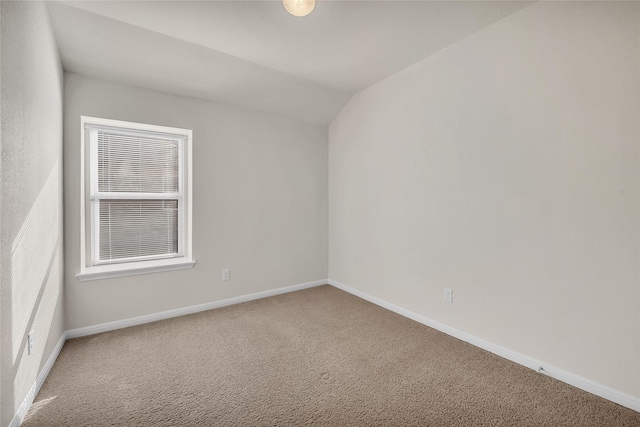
[[133, 268]]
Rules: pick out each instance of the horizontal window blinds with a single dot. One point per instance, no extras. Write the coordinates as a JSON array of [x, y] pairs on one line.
[[136, 164], [137, 192], [138, 228]]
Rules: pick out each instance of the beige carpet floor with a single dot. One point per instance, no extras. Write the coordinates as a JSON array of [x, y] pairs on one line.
[[314, 357]]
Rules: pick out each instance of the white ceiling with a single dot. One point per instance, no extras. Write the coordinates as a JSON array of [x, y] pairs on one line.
[[253, 54]]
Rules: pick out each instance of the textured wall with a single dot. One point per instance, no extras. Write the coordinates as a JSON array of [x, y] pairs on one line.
[[31, 194], [506, 167], [259, 203]]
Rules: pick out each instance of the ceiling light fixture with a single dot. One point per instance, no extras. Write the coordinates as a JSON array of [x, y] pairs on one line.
[[299, 7]]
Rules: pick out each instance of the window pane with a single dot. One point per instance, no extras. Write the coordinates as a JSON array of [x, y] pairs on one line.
[[137, 228], [139, 164]]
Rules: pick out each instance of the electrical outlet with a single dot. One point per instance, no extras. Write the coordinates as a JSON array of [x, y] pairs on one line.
[[448, 295], [226, 275], [30, 343]]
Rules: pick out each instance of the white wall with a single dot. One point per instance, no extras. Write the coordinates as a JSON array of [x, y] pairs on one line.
[[507, 168], [259, 203], [31, 195]]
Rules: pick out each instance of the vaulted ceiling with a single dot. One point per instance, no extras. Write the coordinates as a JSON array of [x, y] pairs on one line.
[[253, 54]]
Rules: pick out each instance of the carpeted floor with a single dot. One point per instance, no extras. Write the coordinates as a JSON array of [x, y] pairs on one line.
[[314, 357]]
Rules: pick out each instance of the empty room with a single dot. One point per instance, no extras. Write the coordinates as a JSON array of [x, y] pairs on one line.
[[330, 213]]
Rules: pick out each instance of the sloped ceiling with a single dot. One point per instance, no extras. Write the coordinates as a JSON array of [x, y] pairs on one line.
[[253, 54]]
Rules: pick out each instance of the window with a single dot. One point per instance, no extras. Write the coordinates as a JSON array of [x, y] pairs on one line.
[[136, 198]]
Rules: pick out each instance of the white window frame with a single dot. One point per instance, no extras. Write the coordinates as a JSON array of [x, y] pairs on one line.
[[91, 267]]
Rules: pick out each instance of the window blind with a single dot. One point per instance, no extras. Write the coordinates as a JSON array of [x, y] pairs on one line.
[[137, 164], [137, 195], [138, 228]]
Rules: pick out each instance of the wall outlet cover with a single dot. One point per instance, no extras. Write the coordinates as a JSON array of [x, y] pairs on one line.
[[448, 295], [30, 343]]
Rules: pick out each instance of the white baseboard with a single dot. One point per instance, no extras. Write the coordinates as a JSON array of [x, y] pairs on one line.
[[35, 388], [587, 385], [125, 323], [119, 324], [24, 407], [605, 392]]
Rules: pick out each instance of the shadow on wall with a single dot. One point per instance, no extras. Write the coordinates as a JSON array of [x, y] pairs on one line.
[[34, 274]]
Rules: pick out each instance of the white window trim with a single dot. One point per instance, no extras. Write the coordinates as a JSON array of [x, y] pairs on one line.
[[184, 260]]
